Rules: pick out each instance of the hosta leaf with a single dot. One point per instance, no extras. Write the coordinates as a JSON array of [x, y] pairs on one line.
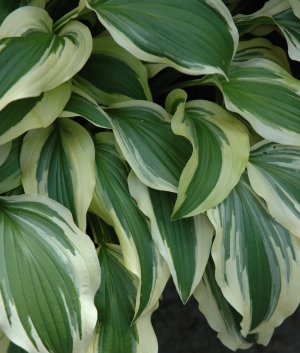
[[31, 113], [262, 48], [185, 243], [221, 316], [80, 104], [112, 74], [281, 14], [274, 175], [10, 171], [59, 162], [39, 61], [220, 154], [265, 95], [101, 231], [147, 341], [257, 260], [6, 346], [113, 203], [6, 7], [57, 9], [115, 301], [150, 31], [4, 152], [296, 7], [143, 132], [49, 275]]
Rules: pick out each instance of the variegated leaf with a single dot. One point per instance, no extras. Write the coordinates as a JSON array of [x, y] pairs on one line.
[[220, 154], [41, 60], [81, 104], [10, 171], [143, 132], [274, 175], [147, 341], [59, 162], [4, 152], [221, 316], [112, 74], [115, 301], [257, 260], [152, 33], [31, 113], [113, 203], [49, 275], [185, 243], [281, 13], [265, 95], [6, 346], [262, 48], [6, 7]]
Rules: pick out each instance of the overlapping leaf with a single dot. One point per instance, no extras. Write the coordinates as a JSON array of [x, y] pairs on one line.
[[282, 13], [80, 104], [38, 61], [265, 95], [59, 162], [262, 48], [150, 31], [274, 175], [4, 152], [143, 132], [113, 74], [184, 243], [257, 260], [10, 171], [49, 275], [115, 301], [220, 153], [6, 346], [31, 113], [6, 7], [221, 316], [113, 203]]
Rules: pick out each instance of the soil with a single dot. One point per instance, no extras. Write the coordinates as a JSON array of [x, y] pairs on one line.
[[183, 329]]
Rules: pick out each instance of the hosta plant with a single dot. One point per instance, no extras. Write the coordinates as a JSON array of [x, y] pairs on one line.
[[141, 140]]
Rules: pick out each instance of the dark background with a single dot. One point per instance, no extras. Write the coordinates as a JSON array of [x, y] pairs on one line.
[[183, 329]]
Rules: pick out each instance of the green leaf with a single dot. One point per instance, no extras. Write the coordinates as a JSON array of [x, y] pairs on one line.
[[267, 96], [171, 32], [10, 171], [257, 260], [113, 203], [112, 74], [4, 152], [262, 48], [80, 104], [185, 243], [115, 301], [281, 14], [6, 7], [220, 153], [221, 316], [32, 60], [49, 274], [59, 162], [31, 113], [143, 132], [274, 175]]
